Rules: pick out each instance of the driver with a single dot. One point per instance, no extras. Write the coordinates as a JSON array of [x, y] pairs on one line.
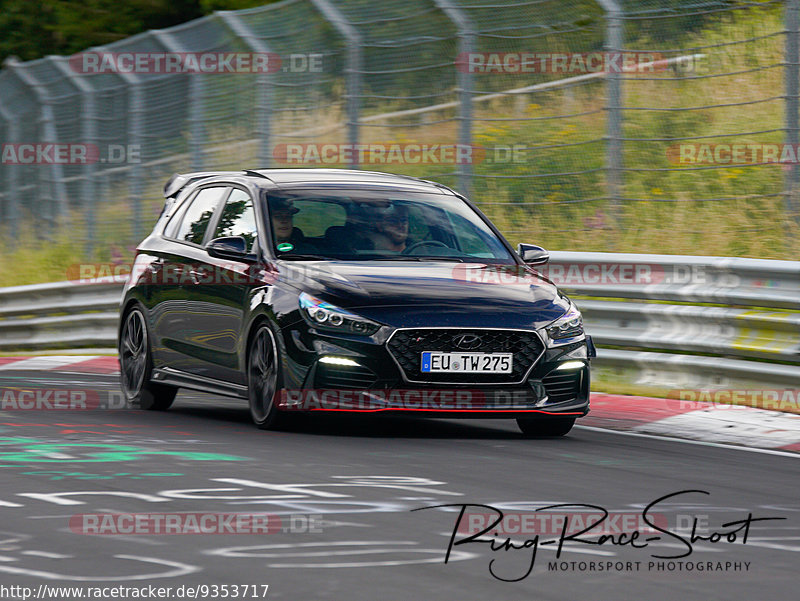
[[391, 229], [282, 212]]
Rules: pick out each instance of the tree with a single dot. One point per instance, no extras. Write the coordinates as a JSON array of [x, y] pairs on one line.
[[31, 29]]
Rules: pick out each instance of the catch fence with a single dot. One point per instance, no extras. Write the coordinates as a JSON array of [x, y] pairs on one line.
[[666, 125]]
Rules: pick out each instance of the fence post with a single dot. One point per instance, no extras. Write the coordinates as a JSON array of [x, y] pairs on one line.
[[10, 212], [135, 128], [263, 84], [466, 45], [353, 70], [614, 43], [56, 188], [135, 137], [196, 96], [89, 135], [792, 60]]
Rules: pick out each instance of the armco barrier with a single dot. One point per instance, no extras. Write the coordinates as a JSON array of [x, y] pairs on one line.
[[666, 322], [660, 321], [60, 315]]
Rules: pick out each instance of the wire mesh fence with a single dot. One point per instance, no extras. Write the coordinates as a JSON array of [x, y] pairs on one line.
[[657, 125]]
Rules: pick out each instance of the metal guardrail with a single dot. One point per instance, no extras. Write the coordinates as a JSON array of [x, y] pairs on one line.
[[719, 280], [668, 322], [60, 315], [660, 321]]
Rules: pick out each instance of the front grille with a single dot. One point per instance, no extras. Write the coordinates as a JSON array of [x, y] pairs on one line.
[[406, 346], [347, 377], [562, 385]]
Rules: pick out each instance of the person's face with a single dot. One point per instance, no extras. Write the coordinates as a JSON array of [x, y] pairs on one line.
[[282, 223], [396, 227]]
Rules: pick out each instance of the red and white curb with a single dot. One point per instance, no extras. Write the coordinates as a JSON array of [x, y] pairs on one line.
[[708, 422], [81, 364]]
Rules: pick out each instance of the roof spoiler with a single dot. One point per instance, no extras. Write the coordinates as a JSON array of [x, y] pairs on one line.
[[179, 181]]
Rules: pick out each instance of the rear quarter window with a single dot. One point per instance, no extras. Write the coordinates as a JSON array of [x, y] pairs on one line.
[[190, 224]]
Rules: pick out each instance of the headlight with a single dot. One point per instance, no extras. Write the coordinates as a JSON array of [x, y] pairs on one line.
[[326, 316], [568, 325]]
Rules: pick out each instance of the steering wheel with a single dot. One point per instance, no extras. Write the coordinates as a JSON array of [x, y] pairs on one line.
[[416, 245]]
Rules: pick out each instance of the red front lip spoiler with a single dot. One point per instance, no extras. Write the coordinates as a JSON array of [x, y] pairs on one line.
[[482, 411]]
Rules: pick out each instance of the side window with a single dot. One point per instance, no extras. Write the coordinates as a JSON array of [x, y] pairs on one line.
[[238, 218], [175, 220], [197, 217]]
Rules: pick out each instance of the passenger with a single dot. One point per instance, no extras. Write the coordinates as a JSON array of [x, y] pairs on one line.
[[352, 237], [391, 229]]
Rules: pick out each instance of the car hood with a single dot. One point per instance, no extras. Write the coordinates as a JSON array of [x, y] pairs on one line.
[[410, 294]]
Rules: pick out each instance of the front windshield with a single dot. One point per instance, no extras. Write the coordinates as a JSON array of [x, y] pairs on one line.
[[358, 225]]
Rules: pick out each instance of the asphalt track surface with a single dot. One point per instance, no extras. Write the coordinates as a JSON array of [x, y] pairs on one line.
[[342, 489]]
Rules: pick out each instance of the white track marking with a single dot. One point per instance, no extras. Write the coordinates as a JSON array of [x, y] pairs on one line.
[[47, 554], [44, 363], [242, 551], [751, 543], [294, 489], [181, 569], [362, 548], [687, 441], [745, 426], [58, 497]]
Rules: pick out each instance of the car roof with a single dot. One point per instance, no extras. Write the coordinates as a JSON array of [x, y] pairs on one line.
[[314, 177], [341, 176]]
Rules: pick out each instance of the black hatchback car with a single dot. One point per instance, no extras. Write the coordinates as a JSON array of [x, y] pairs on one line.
[[347, 291]]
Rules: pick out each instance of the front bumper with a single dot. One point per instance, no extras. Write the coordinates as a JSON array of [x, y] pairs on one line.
[[364, 377]]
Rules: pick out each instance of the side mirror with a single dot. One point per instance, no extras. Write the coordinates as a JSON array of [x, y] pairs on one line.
[[532, 254], [230, 247]]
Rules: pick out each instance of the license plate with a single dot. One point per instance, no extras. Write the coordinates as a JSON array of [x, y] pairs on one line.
[[480, 363]]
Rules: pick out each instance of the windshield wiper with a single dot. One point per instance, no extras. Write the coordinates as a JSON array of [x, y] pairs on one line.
[[418, 258], [438, 258], [393, 258], [301, 257], [415, 258]]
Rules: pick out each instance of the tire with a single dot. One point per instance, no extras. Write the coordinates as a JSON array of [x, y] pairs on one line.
[[264, 380], [136, 366], [545, 428]]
